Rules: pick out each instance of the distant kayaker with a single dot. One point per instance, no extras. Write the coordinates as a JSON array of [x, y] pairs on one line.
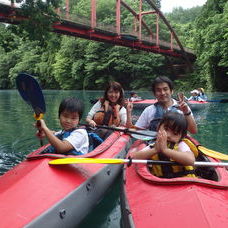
[[202, 94], [162, 88], [70, 140], [195, 96], [169, 145], [134, 97]]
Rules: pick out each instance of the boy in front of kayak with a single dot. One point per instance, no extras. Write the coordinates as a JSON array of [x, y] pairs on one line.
[[70, 140], [170, 145]]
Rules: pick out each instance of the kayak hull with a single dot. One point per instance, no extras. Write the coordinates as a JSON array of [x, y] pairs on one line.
[[149, 201], [36, 194], [198, 105]]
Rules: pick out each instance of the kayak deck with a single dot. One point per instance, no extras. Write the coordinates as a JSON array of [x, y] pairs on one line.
[[141, 104], [38, 195], [149, 201]]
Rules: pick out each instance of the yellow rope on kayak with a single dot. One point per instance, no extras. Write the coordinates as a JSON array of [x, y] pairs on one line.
[[64, 161], [213, 153]]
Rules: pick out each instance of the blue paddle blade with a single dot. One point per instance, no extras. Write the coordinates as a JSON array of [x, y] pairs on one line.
[[31, 92]]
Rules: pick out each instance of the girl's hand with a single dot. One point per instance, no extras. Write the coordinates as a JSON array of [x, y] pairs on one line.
[[161, 142], [129, 106]]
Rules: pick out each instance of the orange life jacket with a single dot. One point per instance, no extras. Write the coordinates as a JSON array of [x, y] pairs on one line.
[[106, 118]]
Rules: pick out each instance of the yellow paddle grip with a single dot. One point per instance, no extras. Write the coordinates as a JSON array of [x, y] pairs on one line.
[[64, 161], [38, 117]]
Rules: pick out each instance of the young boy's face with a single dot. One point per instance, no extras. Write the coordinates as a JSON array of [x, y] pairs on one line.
[[69, 120]]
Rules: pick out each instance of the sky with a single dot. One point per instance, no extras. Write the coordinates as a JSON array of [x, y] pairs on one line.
[[168, 5]]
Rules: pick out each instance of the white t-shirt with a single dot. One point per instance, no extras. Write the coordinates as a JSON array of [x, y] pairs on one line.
[[78, 139], [182, 146], [97, 107], [148, 115]]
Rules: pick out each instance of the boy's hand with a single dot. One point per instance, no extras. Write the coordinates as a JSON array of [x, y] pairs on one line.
[[40, 125], [40, 134]]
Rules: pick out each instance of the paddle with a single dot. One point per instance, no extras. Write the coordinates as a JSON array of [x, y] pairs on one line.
[[64, 161], [31, 92], [204, 150], [213, 153], [139, 134]]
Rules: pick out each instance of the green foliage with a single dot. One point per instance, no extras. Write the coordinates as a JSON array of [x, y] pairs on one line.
[[89, 65], [204, 30], [41, 16], [62, 62], [181, 16], [211, 43]]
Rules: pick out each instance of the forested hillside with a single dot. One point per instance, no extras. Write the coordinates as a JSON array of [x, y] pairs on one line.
[[63, 62]]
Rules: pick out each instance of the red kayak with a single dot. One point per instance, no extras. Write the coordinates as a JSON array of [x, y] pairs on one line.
[[194, 105], [35, 194], [148, 201], [141, 104]]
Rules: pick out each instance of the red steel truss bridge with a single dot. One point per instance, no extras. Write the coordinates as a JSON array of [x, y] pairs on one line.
[[149, 31]]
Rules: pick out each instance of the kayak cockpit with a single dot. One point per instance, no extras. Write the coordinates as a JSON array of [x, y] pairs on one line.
[[214, 177], [206, 172], [207, 176], [41, 152]]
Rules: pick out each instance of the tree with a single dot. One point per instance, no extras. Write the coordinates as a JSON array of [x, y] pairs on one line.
[[211, 43], [41, 16]]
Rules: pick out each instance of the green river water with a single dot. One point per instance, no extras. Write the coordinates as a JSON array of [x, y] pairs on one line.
[[17, 138]]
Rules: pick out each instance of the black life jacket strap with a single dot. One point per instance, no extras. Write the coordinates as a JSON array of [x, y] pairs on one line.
[[166, 169]]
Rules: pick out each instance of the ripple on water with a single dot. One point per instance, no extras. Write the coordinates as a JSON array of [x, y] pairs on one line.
[[12, 154]]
